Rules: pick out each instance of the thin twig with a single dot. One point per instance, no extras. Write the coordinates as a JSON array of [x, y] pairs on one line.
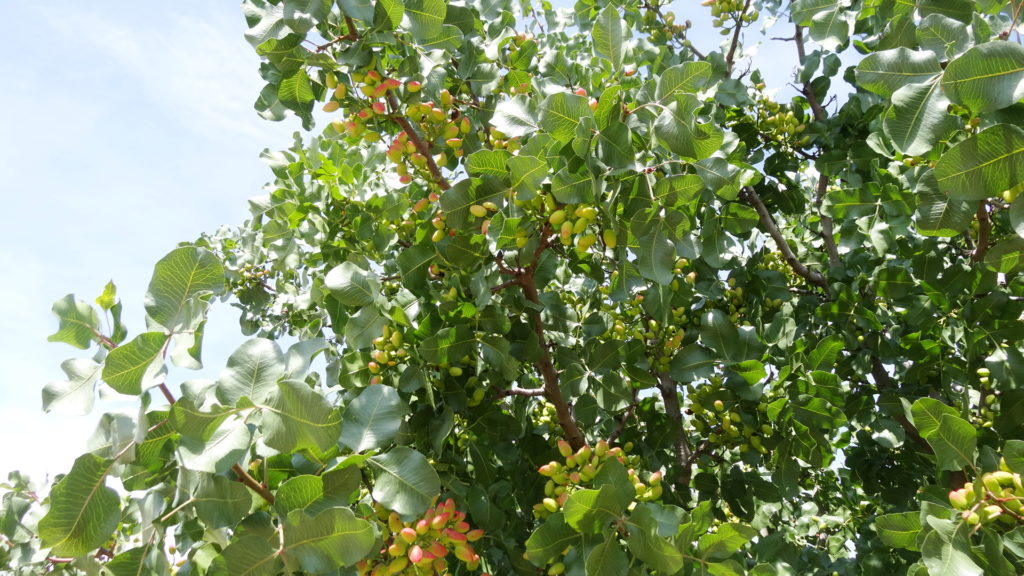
[[984, 228], [417, 141], [245, 478], [352, 36], [827, 232], [730, 57], [521, 392], [768, 223], [503, 285]]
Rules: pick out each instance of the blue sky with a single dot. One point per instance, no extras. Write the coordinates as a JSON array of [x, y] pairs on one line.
[[128, 127]]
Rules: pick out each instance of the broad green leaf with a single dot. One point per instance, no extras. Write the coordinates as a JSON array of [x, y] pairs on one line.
[[692, 363], [515, 117], [327, 541], [677, 129], [1017, 215], [927, 412], [983, 165], [79, 324], [961, 10], [373, 419], [987, 77], [1013, 453], [528, 172], [405, 482], [189, 421], [818, 412], [550, 539], [265, 20], [252, 372], [940, 215], [76, 394], [147, 559], [887, 71], [492, 162], [685, 78], [899, 530], [448, 345], [647, 544], [608, 36], [221, 503], [719, 333], [561, 112], [414, 264], [298, 492], [917, 119], [729, 538], [949, 556], [739, 218], [607, 559], [455, 203], [656, 257], [425, 17], [296, 417], [83, 512], [361, 329], [802, 11], [182, 282], [954, 442], [252, 555], [615, 146], [719, 176], [133, 366], [351, 285], [296, 91], [1007, 256], [226, 446], [832, 29], [590, 511], [825, 354], [945, 37], [573, 187]]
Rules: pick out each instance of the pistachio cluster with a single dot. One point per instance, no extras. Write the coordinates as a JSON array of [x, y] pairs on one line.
[[422, 547], [995, 499], [387, 352], [728, 421], [727, 14]]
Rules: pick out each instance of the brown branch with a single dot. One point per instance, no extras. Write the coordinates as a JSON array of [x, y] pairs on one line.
[[883, 382], [670, 396], [730, 57], [521, 392], [827, 232], [503, 285], [546, 367], [621, 425], [252, 484], [984, 228], [352, 36], [417, 141], [167, 393], [768, 223]]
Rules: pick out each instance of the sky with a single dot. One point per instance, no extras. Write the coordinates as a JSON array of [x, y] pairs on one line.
[[129, 127]]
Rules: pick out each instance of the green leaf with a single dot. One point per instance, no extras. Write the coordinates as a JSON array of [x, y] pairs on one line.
[[351, 285], [1013, 453], [573, 187], [719, 176], [550, 539], [373, 419], [327, 541], [225, 447], [296, 91], [425, 18], [296, 418], [221, 503], [692, 363], [949, 556], [181, 283], [917, 118], [984, 165], [388, 13], [561, 112], [647, 544], [832, 29], [266, 21], [608, 36], [590, 511], [899, 530], [685, 78], [145, 559], [961, 10], [76, 394], [414, 263], [133, 366], [607, 559], [657, 257], [528, 172], [188, 421], [83, 512], [405, 482], [954, 442], [677, 129], [615, 146], [729, 538], [945, 37], [739, 218], [802, 11], [361, 329], [491, 162], [252, 555], [1017, 215], [79, 324], [887, 71], [938, 214], [515, 117], [718, 333], [1007, 256], [927, 413], [252, 372], [987, 77]]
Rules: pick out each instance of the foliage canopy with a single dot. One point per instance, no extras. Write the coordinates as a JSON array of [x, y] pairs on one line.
[[555, 290]]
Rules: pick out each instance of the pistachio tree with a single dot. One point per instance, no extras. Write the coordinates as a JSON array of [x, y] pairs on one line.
[[564, 289]]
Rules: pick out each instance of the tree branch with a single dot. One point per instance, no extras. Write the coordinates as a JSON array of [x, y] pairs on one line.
[[521, 392], [252, 484], [827, 232], [730, 57], [417, 141], [768, 223], [670, 395], [984, 228]]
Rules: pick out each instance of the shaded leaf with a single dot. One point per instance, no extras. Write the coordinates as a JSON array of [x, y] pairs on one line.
[[373, 419], [405, 482]]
